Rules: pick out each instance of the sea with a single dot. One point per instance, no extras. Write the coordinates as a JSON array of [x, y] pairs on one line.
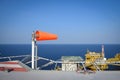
[[56, 51]]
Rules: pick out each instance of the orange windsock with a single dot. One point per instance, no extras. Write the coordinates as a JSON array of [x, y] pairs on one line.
[[45, 36]]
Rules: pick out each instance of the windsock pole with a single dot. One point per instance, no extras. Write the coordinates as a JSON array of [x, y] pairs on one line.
[[36, 56], [39, 36], [33, 50]]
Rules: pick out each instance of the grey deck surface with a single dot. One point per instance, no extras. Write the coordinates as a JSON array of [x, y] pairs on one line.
[[59, 75]]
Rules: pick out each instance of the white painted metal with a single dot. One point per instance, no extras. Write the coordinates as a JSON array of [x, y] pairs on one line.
[[14, 56], [33, 50], [84, 67], [11, 65], [35, 56]]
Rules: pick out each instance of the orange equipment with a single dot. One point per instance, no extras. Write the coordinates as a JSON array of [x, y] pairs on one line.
[[40, 36]]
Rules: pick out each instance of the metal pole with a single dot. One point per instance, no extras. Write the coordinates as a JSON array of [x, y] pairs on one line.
[[35, 56], [33, 49], [84, 67]]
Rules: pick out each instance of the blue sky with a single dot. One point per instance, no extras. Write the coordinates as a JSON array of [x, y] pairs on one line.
[[74, 21]]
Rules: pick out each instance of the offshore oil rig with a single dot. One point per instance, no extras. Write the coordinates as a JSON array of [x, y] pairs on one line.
[[69, 64], [98, 59]]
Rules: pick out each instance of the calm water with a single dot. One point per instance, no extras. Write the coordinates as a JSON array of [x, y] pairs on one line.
[[55, 51]]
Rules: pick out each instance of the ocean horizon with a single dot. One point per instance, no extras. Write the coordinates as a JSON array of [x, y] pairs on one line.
[[56, 51]]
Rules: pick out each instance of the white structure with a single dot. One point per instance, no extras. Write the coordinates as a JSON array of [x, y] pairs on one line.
[[34, 52], [69, 63]]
